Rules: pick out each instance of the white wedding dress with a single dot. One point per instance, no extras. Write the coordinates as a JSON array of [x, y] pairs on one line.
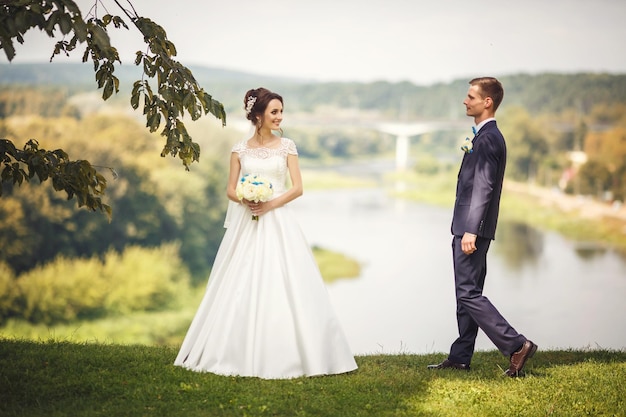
[[266, 312]]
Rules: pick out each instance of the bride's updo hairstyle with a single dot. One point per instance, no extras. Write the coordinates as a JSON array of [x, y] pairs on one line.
[[255, 103]]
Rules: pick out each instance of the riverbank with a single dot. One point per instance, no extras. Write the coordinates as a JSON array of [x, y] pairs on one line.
[[583, 219], [66, 379], [583, 206], [589, 222]]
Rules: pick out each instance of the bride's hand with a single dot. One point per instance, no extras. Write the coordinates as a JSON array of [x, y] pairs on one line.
[[257, 209], [260, 208]]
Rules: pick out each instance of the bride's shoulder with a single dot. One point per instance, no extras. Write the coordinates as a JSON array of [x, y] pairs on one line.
[[239, 146], [289, 145]]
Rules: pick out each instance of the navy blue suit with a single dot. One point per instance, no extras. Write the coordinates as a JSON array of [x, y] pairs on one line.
[[476, 208]]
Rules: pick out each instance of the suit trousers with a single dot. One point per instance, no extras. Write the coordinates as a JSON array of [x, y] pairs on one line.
[[473, 309]]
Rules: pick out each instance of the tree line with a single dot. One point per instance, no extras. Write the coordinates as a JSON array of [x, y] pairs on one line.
[[155, 201], [539, 93]]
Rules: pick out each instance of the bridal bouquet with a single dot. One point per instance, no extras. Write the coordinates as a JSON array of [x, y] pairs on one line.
[[255, 188]]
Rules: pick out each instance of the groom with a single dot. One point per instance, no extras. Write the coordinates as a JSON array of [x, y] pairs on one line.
[[478, 190]]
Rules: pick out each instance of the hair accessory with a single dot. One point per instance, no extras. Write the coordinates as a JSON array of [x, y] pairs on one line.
[[250, 104]]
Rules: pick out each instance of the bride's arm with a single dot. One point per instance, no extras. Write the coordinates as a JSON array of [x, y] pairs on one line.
[[233, 177], [296, 184]]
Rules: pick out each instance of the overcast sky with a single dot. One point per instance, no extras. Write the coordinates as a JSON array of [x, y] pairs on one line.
[[368, 40]]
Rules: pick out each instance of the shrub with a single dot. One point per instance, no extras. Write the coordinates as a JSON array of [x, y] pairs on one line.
[[9, 293], [143, 279], [63, 290], [139, 279]]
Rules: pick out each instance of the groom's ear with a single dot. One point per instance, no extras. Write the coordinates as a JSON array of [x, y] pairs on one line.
[[488, 102]]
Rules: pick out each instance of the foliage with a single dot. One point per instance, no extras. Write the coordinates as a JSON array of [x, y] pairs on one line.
[[555, 93], [594, 179], [65, 379], [334, 143], [177, 92], [599, 97], [77, 178], [9, 294], [606, 168], [526, 144], [150, 328], [155, 201], [139, 279], [42, 101], [48, 299], [544, 117]]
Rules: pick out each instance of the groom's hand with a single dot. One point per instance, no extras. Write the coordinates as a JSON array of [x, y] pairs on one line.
[[468, 243]]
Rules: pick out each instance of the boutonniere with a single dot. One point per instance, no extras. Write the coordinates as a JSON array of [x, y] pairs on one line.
[[467, 146]]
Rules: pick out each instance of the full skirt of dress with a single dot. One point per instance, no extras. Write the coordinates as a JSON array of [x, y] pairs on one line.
[[266, 311]]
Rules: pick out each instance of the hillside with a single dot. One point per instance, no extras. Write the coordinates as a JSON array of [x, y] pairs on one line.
[[59, 378], [541, 93]]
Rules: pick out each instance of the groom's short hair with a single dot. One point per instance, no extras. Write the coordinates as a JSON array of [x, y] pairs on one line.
[[490, 87]]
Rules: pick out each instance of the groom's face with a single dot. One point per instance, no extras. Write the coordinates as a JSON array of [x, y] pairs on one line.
[[474, 102]]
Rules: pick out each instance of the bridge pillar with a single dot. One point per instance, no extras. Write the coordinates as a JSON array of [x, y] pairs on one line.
[[402, 152]]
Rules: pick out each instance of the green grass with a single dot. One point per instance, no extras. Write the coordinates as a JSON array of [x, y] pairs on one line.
[[57, 378], [334, 266], [431, 189]]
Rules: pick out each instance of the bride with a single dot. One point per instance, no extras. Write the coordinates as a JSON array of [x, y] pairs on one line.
[[266, 312]]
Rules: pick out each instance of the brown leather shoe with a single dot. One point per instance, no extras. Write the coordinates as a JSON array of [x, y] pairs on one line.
[[519, 358], [448, 364]]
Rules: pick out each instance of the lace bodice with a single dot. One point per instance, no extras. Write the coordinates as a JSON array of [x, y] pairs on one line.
[[269, 163]]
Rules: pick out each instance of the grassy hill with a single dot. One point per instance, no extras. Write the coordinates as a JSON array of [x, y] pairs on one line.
[[64, 379]]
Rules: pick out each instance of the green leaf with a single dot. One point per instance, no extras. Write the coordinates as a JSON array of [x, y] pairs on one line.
[[65, 23], [100, 37], [154, 121], [80, 28], [119, 22], [108, 89], [9, 49], [51, 23], [134, 96]]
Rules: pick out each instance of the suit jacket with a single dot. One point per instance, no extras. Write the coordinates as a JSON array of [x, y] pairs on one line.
[[479, 184]]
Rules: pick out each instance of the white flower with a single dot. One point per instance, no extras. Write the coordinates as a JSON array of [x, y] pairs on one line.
[[250, 104], [467, 146], [255, 188]]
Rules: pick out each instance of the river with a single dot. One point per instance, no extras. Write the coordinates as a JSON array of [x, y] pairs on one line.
[[554, 292]]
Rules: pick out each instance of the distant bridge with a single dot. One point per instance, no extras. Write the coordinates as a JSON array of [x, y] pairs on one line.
[[403, 131]]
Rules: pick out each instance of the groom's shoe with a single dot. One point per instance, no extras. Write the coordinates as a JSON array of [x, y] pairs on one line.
[[448, 364], [519, 358]]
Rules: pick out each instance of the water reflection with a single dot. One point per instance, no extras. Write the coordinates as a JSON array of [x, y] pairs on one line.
[[518, 243], [404, 299], [589, 251]]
